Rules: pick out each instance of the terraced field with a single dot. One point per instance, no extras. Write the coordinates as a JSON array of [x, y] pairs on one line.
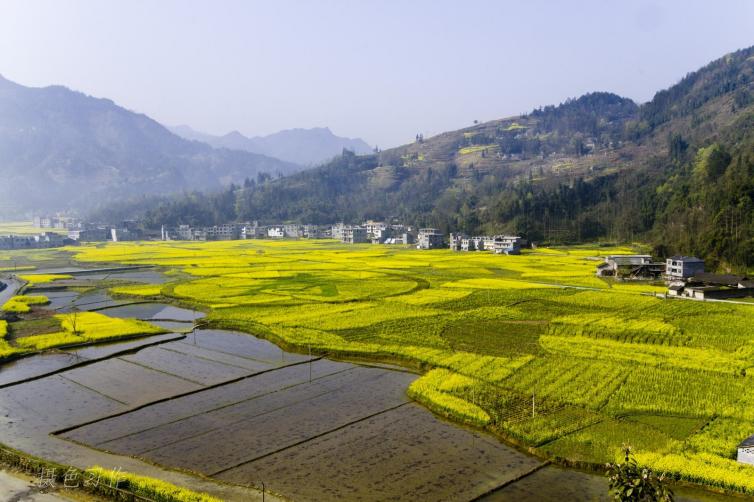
[[533, 348], [555, 357]]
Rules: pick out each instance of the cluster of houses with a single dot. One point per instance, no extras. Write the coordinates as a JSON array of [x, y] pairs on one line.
[[33, 241], [684, 275], [59, 221], [370, 232], [498, 244], [68, 231]]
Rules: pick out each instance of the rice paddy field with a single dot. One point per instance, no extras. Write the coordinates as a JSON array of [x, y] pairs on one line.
[[532, 348]]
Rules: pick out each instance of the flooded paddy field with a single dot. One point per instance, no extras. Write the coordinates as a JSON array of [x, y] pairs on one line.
[[403, 453], [243, 412], [351, 431], [50, 362], [239, 409], [151, 312]]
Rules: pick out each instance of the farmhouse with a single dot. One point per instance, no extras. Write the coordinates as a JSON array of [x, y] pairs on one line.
[[746, 451], [89, 234], [336, 231], [312, 232], [276, 232], [455, 241], [375, 228], [252, 231], [354, 235], [293, 230], [42, 240], [58, 221], [506, 244], [706, 286], [227, 232], [631, 266], [683, 267], [429, 238], [498, 244]]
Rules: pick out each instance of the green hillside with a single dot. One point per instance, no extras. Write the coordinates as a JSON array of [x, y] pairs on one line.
[[677, 171]]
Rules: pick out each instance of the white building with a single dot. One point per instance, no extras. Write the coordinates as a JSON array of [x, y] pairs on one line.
[[429, 238], [354, 235], [276, 232], [683, 267]]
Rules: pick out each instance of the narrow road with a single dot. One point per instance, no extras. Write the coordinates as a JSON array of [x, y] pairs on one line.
[[16, 489], [13, 286]]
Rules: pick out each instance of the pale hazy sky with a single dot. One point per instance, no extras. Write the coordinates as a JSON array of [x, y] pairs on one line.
[[381, 70]]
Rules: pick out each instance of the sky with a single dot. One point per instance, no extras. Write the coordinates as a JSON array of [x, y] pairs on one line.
[[383, 70]]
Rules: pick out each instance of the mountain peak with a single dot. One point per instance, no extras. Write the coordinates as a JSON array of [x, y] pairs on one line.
[[89, 150], [303, 146]]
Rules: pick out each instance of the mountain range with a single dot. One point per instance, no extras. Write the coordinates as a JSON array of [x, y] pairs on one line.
[[677, 171], [61, 149], [306, 147]]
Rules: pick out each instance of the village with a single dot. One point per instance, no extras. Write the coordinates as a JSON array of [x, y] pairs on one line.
[[685, 276]]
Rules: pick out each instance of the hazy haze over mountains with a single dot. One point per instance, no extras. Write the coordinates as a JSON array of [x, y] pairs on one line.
[[60, 148], [306, 147]]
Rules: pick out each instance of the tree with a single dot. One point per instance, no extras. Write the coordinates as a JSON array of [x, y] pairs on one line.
[[631, 483]]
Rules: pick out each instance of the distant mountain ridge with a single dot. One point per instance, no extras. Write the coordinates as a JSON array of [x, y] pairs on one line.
[[306, 147], [60, 148]]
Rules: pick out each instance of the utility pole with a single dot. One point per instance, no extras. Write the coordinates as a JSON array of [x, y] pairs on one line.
[[532, 405]]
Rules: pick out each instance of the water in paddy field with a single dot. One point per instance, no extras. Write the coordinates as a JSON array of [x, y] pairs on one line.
[[153, 311], [243, 411]]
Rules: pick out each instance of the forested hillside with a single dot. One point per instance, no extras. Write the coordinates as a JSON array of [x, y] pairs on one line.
[[677, 171]]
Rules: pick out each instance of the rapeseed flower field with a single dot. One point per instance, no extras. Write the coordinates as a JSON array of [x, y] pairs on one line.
[[533, 347]]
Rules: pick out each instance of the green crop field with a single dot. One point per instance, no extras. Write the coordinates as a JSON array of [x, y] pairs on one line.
[[534, 347], [26, 228]]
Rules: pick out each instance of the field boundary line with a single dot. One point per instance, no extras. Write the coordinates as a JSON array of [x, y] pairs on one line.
[[175, 396], [225, 426], [188, 417], [87, 362], [516, 479], [312, 438], [95, 391]]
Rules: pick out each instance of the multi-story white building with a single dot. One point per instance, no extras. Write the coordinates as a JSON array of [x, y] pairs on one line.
[[293, 230], [337, 231], [275, 232], [683, 267], [429, 238], [225, 232], [507, 244], [354, 235]]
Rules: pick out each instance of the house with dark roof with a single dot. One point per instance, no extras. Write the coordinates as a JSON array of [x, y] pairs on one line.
[[707, 286], [683, 267], [631, 266], [746, 451]]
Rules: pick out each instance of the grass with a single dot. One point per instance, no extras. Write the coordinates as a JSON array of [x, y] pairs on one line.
[[534, 347], [26, 228]]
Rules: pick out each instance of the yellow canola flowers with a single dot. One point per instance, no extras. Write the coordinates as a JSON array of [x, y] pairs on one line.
[[34, 279], [149, 488], [494, 334], [140, 290], [433, 390], [87, 327], [22, 303]]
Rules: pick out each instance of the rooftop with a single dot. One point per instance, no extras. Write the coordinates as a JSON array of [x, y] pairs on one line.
[[685, 258]]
